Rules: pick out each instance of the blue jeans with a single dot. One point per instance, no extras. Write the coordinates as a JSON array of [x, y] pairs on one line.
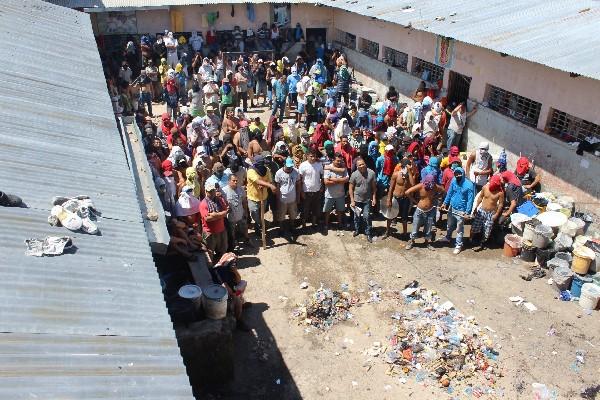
[[456, 222], [146, 98], [279, 105], [451, 136], [364, 215], [423, 218]]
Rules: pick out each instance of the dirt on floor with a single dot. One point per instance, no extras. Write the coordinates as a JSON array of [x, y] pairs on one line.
[[283, 359]]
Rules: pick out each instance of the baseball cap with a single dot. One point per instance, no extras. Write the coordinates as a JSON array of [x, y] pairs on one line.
[[484, 145], [210, 185], [258, 159], [328, 143], [289, 162], [210, 108], [389, 147]]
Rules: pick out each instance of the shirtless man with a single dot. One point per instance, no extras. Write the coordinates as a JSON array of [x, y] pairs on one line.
[[402, 180], [145, 95], [491, 199], [254, 147], [426, 210], [230, 123]]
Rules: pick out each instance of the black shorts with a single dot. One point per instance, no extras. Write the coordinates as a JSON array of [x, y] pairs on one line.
[[404, 206]]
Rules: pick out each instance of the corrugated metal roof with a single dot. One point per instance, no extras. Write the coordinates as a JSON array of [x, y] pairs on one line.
[[557, 33], [92, 324]]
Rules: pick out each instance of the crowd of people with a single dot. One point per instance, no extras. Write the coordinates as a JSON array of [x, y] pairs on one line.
[[219, 171]]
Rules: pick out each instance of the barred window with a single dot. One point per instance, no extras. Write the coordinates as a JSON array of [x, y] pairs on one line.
[[427, 71], [395, 58], [369, 48], [345, 39], [510, 104], [571, 128]]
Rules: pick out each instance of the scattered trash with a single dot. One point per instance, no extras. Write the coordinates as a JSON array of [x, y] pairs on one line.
[[541, 392], [550, 281], [530, 307], [565, 295], [354, 383], [77, 213], [304, 285], [517, 299], [551, 331], [49, 246], [436, 344], [324, 308]]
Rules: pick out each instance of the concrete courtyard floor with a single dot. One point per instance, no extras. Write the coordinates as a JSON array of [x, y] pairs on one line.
[[283, 361]]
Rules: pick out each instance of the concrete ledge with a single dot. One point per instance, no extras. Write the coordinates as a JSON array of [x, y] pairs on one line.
[[207, 350]]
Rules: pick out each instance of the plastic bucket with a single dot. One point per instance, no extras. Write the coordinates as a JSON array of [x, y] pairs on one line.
[[543, 255], [563, 255], [579, 223], [214, 301], [569, 228], [581, 240], [563, 242], [554, 207], [528, 252], [562, 277], [512, 245], [590, 295], [582, 258], [517, 221], [553, 219], [555, 263], [577, 284], [541, 236], [529, 229]]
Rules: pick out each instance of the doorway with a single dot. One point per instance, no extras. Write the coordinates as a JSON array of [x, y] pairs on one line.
[[315, 36], [458, 87]]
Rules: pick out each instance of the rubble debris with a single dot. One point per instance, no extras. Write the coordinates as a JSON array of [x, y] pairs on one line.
[[437, 345], [325, 308]]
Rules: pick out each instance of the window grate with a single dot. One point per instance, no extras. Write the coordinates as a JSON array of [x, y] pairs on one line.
[[428, 71], [345, 39], [571, 128], [395, 58], [369, 48], [517, 107]]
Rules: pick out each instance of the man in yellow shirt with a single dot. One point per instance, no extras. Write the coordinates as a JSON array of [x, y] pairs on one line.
[[259, 182]]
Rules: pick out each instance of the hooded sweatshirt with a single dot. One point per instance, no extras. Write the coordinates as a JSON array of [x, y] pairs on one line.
[[461, 194]]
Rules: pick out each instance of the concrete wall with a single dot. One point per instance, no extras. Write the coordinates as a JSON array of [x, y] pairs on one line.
[[310, 16], [563, 171], [158, 20], [550, 87]]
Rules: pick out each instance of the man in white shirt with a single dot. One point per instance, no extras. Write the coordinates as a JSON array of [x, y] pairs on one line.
[[311, 172], [458, 120], [196, 41], [171, 44], [287, 180]]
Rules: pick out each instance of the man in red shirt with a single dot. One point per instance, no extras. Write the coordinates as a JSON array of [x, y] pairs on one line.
[[213, 210], [346, 150]]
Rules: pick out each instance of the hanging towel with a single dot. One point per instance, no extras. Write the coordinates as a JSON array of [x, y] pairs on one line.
[[232, 11], [250, 12]]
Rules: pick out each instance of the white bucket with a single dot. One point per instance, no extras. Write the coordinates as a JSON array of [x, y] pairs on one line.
[[214, 301], [581, 240], [518, 220], [553, 207], [542, 236], [590, 294], [193, 293], [569, 228]]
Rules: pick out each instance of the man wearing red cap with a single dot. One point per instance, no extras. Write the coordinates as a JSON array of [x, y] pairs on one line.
[[492, 201], [530, 180]]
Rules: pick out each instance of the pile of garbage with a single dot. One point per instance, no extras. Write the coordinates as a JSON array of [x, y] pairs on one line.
[[551, 235], [434, 342], [325, 308]]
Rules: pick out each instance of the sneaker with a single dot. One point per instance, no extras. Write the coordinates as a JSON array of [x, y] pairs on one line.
[[355, 234], [68, 219], [370, 239], [241, 325], [410, 244], [443, 239], [429, 246], [456, 250]]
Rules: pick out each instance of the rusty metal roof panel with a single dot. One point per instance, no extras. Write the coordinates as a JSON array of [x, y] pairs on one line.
[[91, 323]]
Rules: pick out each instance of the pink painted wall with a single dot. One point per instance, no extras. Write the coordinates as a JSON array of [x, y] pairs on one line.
[[552, 88], [310, 16]]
